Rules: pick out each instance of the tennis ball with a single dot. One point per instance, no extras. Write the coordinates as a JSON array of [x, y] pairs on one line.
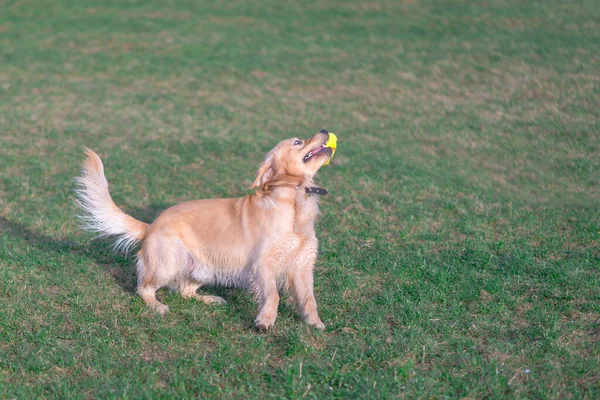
[[332, 144]]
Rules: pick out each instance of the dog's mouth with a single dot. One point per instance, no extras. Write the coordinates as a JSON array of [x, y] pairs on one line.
[[321, 151]]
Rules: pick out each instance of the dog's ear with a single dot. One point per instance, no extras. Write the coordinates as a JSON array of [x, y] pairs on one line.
[[265, 173]]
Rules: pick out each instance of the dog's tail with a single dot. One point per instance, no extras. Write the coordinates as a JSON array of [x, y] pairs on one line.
[[100, 213]]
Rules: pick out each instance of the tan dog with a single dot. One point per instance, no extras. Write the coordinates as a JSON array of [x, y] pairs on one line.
[[260, 241]]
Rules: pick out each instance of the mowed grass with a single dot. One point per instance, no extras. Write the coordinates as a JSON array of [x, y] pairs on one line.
[[460, 242]]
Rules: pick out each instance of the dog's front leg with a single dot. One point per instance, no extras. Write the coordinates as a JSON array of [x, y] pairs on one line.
[[302, 287], [266, 286]]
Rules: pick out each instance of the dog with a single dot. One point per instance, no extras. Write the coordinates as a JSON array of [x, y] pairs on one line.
[[264, 241]]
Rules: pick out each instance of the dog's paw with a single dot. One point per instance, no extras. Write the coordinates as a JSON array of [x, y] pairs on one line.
[[264, 323], [214, 300], [315, 322], [162, 309]]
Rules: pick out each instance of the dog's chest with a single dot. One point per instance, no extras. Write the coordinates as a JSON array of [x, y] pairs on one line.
[[306, 211], [290, 252]]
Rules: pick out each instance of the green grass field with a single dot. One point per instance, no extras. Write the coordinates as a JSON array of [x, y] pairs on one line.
[[460, 242]]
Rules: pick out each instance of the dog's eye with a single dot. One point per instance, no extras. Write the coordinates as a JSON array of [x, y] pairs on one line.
[[297, 142]]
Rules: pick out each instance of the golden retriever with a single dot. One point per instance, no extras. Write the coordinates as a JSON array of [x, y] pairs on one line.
[[263, 241]]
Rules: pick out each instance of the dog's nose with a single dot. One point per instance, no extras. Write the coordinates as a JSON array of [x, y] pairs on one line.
[[323, 131]]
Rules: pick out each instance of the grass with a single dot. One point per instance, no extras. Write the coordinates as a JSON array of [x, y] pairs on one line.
[[460, 242]]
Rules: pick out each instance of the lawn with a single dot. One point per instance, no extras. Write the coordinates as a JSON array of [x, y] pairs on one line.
[[459, 242]]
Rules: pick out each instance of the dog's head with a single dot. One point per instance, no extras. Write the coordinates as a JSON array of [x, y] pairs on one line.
[[294, 159]]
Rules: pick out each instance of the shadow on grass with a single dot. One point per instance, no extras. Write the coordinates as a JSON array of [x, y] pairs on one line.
[[121, 267]]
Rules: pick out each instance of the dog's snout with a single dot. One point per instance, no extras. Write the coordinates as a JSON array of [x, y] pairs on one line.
[[323, 131]]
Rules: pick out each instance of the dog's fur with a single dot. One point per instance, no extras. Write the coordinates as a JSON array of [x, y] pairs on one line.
[[261, 241]]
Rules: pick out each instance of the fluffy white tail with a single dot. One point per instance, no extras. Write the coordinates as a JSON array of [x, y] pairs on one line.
[[101, 214]]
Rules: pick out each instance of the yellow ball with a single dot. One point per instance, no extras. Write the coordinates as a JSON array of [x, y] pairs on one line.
[[332, 144]]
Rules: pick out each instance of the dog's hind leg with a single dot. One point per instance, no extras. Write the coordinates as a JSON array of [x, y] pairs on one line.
[[148, 285], [148, 293]]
